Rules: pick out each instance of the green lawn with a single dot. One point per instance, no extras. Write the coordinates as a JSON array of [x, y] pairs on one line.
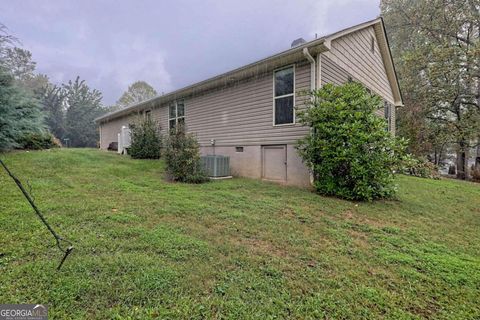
[[237, 249]]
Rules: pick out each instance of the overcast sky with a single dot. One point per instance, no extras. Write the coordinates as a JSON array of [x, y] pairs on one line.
[[169, 44]]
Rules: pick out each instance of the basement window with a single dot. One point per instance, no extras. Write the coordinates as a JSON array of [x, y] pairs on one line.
[[238, 149], [284, 96], [176, 115]]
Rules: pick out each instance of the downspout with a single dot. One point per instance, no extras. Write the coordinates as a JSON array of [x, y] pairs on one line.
[[309, 57], [313, 86], [100, 135]]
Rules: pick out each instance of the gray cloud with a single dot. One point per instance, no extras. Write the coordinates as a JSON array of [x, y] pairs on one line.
[[169, 44]]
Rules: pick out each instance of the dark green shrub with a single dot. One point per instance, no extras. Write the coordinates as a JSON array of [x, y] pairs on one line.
[[146, 141], [349, 150], [182, 156], [39, 141]]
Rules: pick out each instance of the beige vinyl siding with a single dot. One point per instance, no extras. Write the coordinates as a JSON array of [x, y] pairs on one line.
[[243, 114], [333, 73], [353, 53], [238, 115], [110, 129]]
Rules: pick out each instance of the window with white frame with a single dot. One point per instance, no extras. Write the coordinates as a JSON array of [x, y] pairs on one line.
[[284, 96], [176, 115]]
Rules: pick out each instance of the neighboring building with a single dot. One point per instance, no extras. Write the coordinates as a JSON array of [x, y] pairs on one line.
[[249, 113]]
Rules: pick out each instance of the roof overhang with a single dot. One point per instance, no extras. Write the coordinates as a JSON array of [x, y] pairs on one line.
[[381, 34], [249, 71], [270, 63]]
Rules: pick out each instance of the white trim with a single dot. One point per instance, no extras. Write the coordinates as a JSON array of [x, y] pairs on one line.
[[382, 43], [319, 71], [284, 96]]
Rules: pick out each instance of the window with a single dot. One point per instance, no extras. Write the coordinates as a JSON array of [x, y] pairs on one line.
[[284, 96], [238, 149], [176, 114], [148, 114], [388, 116]]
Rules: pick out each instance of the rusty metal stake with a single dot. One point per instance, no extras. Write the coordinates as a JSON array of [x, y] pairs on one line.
[[58, 239]]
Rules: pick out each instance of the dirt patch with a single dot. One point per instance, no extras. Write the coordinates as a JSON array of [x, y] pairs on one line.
[[262, 247], [360, 239], [360, 219]]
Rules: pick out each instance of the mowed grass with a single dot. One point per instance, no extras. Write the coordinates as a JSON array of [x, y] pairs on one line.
[[233, 249]]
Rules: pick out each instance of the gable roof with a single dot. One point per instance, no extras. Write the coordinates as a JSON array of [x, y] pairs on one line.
[[289, 56]]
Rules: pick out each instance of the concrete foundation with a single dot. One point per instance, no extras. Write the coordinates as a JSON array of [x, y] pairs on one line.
[[249, 163]]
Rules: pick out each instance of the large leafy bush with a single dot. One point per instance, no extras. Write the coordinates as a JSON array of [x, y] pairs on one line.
[[419, 167], [146, 141], [349, 150], [182, 156]]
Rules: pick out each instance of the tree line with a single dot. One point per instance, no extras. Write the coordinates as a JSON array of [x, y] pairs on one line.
[[34, 108], [436, 48]]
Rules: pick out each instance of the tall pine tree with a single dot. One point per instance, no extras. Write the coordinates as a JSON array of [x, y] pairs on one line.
[[20, 113], [83, 106]]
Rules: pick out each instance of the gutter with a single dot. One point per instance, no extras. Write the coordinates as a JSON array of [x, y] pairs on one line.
[[316, 45]]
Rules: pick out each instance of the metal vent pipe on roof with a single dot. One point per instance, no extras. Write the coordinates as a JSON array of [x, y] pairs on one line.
[[298, 42]]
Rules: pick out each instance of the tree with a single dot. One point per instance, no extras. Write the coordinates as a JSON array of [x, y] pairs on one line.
[[20, 113], [6, 39], [15, 60], [435, 44], [83, 106], [137, 92], [349, 150], [19, 62], [19, 65], [52, 98]]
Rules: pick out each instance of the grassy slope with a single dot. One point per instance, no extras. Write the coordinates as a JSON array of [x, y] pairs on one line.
[[233, 249]]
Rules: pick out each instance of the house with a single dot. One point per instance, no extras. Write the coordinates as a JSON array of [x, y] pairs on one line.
[[248, 113]]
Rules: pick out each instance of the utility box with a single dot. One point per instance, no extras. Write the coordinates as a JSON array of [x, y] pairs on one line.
[[216, 166], [124, 140]]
